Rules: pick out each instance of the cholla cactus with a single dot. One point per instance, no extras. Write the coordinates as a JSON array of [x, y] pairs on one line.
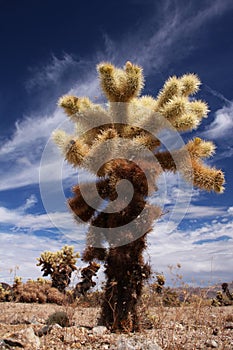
[[113, 143], [224, 297], [87, 274], [59, 265], [6, 292], [17, 281], [158, 285]]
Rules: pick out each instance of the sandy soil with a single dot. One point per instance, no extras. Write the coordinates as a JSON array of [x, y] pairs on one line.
[[188, 327]]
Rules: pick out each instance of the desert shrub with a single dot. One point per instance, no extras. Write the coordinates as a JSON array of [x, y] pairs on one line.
[[158, 295], [41, 297], [229, 318], [54, 296], [40, 291], [170, 297], [58, 317], [92, 299]]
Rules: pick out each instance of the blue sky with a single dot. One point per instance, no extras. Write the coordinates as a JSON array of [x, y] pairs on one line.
[[51, 48]]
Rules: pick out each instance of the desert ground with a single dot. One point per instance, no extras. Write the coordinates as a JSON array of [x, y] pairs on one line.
[[23, 325]]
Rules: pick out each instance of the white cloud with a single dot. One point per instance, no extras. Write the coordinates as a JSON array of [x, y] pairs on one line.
[[30, 202], [30, 131], [20, 259], [230, 210], [210, 262], [19, 220], [222, 125], [203, 211]]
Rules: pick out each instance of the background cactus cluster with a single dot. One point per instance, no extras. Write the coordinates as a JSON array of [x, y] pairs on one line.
[[59, 265], [224, 297]]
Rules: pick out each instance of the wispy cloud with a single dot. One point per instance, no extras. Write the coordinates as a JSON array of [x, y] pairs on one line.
[[24, 148], [21, 153], [20, 219], [159, 42], [52, 72], [218, 94]]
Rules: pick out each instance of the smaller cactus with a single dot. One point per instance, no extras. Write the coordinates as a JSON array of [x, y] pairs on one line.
[[224, 297], [159, 284], [87, 273], [59, 265], [5, 292]]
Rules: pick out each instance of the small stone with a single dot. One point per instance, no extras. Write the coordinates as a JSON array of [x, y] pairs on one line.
[[44, 330], [211, 344], [105, 346], [13, 342], [137, 343], [124, 345], [33, 320], [69, 338], [179, 326], [229, 325], [99, 330], [56, 326], [4, 346]]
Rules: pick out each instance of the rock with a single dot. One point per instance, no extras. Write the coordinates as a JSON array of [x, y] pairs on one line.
[[73, 335], [33, 320], [179, 326], [211, 344], [12, 342], [137, 343], [124, 345], [229, 325], [4, 346], [44, 330], [99, 330], [25, 338], [56, 326], [105, 346], [215, 331], [22, 320]]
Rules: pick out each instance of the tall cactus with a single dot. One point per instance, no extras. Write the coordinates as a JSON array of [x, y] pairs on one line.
[[119, 143]]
